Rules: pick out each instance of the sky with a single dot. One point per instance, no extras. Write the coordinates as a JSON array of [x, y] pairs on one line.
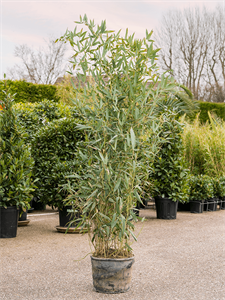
[[32, 22]]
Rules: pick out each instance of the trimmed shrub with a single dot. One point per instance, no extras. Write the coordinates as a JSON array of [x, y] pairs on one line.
[[169, 172], [28, 92], [16, 184], [216, 108], [201, 188], [33, 116], [54, 149]]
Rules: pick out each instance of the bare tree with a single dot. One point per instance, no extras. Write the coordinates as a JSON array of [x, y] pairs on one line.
[[192, 48], [43, 66]]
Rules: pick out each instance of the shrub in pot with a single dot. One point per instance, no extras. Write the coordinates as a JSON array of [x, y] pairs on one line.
[[58, 180], [221, 193], [212, 203], [219, 190], [201, 189], [16, 184], [118, 112], [169, 173], [54, 149]]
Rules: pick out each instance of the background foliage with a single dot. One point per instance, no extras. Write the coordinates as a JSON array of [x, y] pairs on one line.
[[28, 92]]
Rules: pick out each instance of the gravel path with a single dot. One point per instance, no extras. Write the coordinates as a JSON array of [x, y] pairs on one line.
[[175, 259]]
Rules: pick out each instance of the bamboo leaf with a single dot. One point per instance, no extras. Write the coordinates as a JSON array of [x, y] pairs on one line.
[[133, 139]]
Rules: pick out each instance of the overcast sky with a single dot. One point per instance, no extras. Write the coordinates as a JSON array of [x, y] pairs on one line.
[[31, 21]]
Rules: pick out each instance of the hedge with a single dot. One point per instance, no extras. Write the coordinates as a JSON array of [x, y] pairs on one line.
[[28, 92], [217, 108]]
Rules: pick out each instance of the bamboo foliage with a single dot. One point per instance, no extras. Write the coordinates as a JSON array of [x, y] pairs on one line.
[[205, 147], [118, 113]]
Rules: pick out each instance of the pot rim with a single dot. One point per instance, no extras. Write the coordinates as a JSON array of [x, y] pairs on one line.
[[112, 259]]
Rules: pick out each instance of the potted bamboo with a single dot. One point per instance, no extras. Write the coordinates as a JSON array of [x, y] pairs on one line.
[[16, 184], [116, 154]]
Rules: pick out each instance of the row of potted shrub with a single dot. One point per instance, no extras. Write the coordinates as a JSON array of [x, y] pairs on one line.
[[208, 191]]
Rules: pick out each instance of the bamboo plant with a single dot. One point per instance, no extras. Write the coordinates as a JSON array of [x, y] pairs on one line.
[[119, 110]]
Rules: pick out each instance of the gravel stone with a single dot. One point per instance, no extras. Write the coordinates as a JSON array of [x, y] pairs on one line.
[[182, 259]]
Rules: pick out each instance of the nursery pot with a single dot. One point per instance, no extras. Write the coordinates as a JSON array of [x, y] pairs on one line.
[[196, 207], [211, 204], [184, 206], [8, 221], [22, 217], [65, 217], [165, 208], [111, 275], [222, 203], [37, 205]]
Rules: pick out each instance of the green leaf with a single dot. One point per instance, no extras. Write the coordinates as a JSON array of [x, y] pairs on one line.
[[133, 139]]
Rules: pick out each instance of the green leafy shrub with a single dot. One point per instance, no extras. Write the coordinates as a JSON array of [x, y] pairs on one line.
[[201, 188], [54, 149], [204, 107], [169, 173], [219, 187], [28, 92], [16, 185], [33, 116]]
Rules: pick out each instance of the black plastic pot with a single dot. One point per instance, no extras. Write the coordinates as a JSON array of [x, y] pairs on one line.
[[65, 217], [111, 275], [196, 207], [23, 216], [166, 208], [31, 206], [211, 205], [222, 203], [183, 206], [38, 205], [8, 221]]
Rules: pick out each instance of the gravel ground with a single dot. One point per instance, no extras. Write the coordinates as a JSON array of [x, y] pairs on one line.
[[174, 259]]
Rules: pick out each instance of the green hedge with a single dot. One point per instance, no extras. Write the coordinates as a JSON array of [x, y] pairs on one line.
[[217, 108], [28, 92]]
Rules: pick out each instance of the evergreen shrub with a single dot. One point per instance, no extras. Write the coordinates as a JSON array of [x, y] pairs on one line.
[[16, 184], [169, 170], [33, 116], [28, 92], [204, 107], [201, 188], [54, 149]]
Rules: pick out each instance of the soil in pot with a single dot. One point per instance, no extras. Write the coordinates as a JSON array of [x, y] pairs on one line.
[[196, 207], [112, 275], [8, 221], [166, 208]]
